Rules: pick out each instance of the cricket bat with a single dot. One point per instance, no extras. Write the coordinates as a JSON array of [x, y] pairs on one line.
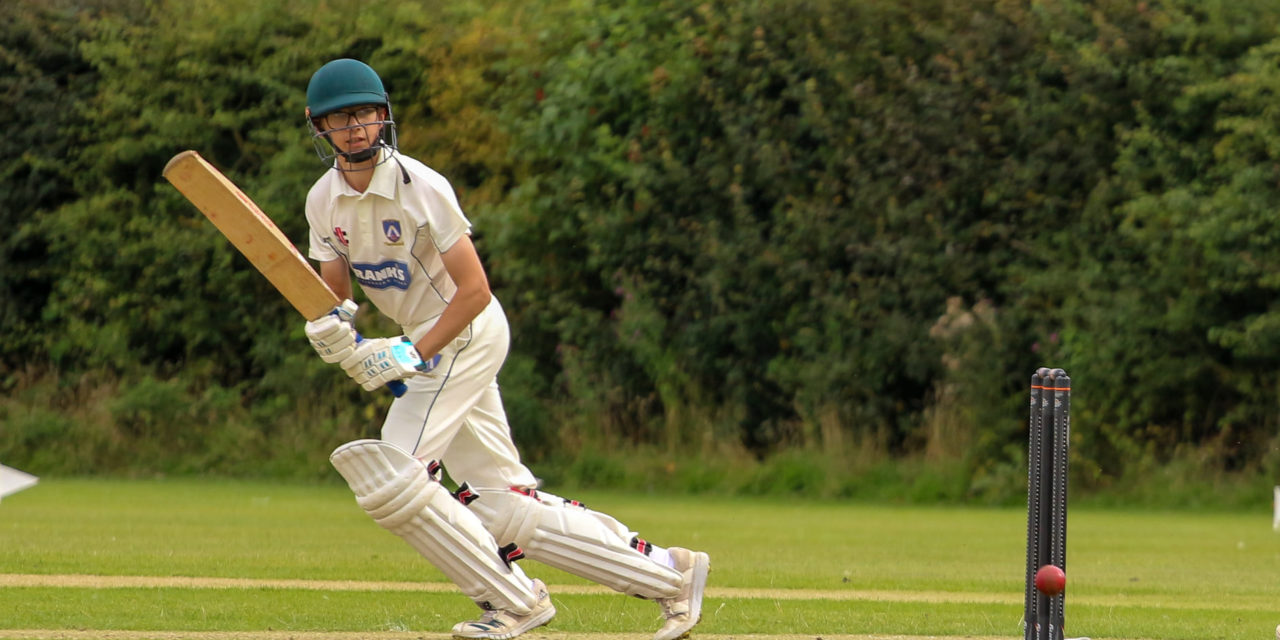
[[255, 236]]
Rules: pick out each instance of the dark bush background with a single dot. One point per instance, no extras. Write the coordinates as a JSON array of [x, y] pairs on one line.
[[795, 247]]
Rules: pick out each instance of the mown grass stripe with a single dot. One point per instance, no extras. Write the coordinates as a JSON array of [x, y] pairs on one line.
[[81, 581], [728, 593]]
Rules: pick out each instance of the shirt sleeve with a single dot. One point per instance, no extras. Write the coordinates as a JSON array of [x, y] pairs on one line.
[[317, 248], [445, 219]]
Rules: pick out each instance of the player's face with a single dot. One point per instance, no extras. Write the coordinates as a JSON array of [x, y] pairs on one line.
[[353, 129]]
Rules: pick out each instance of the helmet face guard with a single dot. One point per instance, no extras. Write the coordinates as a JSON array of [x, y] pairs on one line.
[[328, 151], [341, 84]]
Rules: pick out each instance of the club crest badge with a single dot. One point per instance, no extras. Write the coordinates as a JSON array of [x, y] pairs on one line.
[[391, 229]]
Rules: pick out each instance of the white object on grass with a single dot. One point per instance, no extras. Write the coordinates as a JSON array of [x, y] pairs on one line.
[[1275, 524], [13, 481]]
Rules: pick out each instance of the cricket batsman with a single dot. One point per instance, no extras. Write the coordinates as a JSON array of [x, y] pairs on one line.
[[396, 226]]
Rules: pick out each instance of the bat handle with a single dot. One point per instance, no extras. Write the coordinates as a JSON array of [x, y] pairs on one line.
[[397, 387]]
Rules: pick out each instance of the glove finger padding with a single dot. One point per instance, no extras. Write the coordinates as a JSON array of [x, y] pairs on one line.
[[377, 361], [332, 338]]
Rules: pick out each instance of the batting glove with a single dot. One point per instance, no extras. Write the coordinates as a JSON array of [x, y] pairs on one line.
[[377, 361], [334, 335]]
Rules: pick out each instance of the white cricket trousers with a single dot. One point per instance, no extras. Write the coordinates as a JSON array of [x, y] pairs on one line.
[[456, 415]]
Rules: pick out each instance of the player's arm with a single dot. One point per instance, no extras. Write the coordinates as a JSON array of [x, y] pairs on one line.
[[371, 363], [335, 274], [463, 264], [378, 361]]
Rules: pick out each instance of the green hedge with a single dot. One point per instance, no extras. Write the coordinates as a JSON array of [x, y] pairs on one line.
[[850, 229]]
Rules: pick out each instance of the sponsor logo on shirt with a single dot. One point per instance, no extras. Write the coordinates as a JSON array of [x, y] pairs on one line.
[[391, 228], [391, 274], [342, 235]]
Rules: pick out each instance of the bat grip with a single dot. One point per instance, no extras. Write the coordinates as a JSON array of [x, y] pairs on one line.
[[397, 387]]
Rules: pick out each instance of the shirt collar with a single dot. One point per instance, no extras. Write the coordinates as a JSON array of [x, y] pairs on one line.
[[383, 183]]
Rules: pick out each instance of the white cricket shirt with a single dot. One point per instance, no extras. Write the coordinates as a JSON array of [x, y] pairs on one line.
[[392, 236]]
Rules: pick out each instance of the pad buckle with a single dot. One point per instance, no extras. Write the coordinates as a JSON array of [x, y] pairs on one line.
[[465, 495], [510, 553]]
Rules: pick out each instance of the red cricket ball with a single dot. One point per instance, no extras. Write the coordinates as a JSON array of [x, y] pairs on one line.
[[1050, 580]]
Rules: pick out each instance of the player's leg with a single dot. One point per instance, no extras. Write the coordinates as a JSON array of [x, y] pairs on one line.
[[684, 611], [566, 535], [402, 495], [575, 539], [426, 420], [466, 428]]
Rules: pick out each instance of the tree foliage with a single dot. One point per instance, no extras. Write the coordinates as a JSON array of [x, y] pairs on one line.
[[821, 225]]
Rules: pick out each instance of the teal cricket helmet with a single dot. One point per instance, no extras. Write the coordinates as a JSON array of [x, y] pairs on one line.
[[344, 83], [341, 84]]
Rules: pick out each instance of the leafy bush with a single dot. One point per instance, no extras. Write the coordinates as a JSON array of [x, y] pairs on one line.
[[755, 233]]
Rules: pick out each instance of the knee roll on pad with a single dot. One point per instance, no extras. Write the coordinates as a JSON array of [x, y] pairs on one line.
[[574, 539], [400, 494]]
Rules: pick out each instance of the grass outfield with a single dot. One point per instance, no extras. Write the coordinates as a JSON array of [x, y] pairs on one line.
[[130, 560]]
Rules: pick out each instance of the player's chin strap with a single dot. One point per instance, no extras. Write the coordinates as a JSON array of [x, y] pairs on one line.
[[362, 156], [404, 172], [371, 153]]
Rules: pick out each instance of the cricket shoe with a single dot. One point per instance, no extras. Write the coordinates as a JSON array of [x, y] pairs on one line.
[[685, 610], [501, 625]]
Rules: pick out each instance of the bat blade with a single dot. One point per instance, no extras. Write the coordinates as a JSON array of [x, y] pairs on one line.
[[256, 237], [252, 232]]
